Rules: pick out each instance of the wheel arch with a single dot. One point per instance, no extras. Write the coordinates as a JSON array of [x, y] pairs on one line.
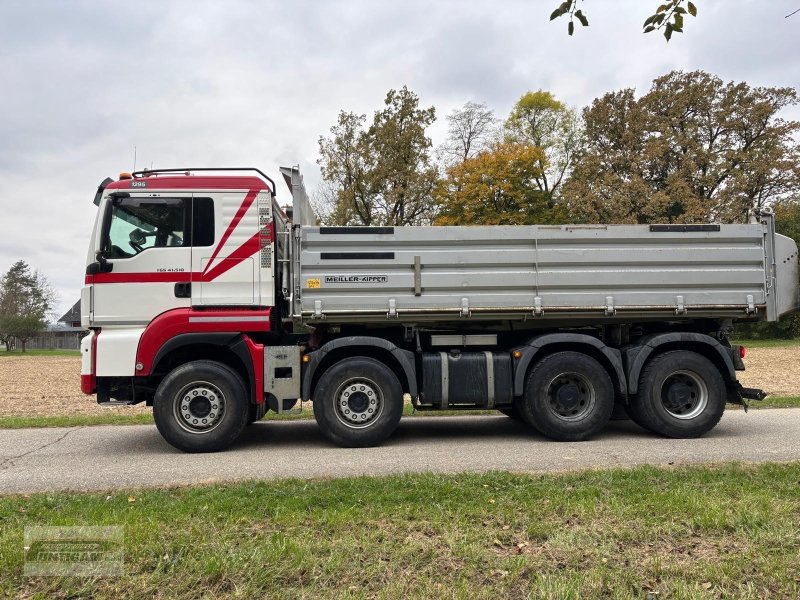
[[541, 346], [400, 361], [636, 357], [229, 349]]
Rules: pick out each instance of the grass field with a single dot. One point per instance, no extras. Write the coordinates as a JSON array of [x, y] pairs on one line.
[[766, 343], [727, 532], [20, 353]]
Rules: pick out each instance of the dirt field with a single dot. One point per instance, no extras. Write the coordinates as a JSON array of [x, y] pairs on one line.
[[50, 385], [47, 386]]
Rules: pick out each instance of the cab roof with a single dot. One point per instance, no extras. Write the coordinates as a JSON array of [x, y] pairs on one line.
[[189, 182]]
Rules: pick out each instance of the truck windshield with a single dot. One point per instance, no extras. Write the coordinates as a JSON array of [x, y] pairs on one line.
[[141, 223]]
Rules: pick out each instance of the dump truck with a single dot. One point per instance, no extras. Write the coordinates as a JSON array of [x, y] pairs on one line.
[[209, 302]]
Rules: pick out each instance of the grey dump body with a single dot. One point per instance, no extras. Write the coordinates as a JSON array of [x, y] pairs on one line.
[[578, 272]]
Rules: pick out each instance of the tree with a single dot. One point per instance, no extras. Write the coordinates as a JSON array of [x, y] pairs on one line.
[[347, 165], [471, 129], [26, 299], [539, 119], [496, 187], [693, 149], [668, 17], [382, 175]]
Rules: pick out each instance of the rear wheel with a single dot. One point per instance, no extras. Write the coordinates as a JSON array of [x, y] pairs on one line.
[[681, 395], [358, 402], [201, 406], [569, 396]]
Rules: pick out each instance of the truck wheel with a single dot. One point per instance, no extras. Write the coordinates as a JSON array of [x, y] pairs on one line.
[[201, 406], [681, 395], [358, 402], [568, 397]]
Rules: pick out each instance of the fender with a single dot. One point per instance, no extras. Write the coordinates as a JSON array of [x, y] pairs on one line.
[[636, 356], [535, 345], [236, 342], [404, 358]]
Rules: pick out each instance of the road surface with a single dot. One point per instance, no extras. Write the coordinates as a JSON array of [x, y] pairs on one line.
[[133, 456]]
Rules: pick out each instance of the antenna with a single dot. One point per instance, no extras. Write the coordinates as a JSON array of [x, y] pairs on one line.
[[134, 158]]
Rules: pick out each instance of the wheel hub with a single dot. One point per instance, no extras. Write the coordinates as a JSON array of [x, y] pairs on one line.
[[677, 395], [358, 402], [568, 396], [571, 396], [684, 395], [199, 407]]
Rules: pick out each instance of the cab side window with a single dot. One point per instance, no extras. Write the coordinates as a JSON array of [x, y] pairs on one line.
[[138, 224]]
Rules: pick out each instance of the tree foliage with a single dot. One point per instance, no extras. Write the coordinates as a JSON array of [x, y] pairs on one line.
[[381, 175], [539, 119], [496, 187], [692, 149], [668, 17], [26, 299]]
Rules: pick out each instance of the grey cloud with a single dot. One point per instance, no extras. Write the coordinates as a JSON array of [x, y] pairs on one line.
[[233, 83]]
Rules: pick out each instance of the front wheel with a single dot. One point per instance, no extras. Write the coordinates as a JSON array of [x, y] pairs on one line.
[[568, 397], [681, 395], [358, 402], [201, 406]]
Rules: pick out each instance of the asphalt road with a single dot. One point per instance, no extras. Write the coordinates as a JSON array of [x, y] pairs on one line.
[[114, 457]]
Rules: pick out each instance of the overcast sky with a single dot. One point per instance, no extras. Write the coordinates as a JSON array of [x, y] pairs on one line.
[[256, 83]]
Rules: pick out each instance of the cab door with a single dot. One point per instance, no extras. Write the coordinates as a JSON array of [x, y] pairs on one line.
[[146, 246]]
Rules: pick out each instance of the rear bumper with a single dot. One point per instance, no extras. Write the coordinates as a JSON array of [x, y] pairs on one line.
[[88, 384]]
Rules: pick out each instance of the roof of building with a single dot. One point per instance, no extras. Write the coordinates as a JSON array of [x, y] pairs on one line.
[[73, 314]]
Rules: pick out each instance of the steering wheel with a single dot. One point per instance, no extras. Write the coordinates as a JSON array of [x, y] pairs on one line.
[[137, 239]]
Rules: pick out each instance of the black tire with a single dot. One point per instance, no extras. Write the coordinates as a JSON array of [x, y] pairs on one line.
[[512, 412], [195, 390], [569, 397], [620, 413], [363, 416], [681, 395], [256, 412]]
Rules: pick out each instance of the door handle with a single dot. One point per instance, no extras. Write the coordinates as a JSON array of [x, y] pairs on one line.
[[183, 290]]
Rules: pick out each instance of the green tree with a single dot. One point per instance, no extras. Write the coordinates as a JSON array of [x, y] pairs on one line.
[[496, 187], [692, 149], [26, 299], [382, 175], [540, 120]]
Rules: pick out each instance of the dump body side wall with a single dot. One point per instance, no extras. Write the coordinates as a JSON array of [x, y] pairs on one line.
[[349, 274]]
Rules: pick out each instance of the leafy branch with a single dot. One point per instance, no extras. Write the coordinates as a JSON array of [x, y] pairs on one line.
[[668, 17], [570, 7]]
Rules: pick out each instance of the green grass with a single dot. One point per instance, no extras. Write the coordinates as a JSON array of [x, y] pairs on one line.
[[121, 418], [77, 420], [727, 532], [16, 353], [777, 402], [766, 343]]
